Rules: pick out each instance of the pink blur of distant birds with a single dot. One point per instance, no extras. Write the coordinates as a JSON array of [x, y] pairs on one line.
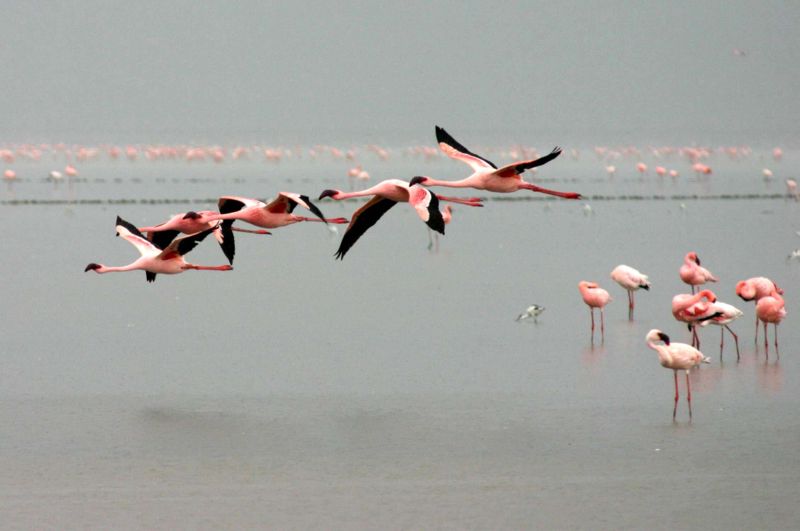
[[692, 273], [678, 357], [486, 175], [595, 297], [631, 280]]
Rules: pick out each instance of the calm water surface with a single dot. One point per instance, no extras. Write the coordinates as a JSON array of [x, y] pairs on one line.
[[393, 389]]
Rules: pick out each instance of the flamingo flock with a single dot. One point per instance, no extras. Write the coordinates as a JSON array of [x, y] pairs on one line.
[[163, 247]]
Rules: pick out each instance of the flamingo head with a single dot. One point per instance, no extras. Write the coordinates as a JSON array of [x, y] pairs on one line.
[[192, 215], [328, 193], [745, 290], [692, 257], [419, 179], [657, 335], [92, 267], [708, 294]]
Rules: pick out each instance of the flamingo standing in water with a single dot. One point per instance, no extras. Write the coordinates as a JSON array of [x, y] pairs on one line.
[[631, 280], [692, 273], [278, 213], [153, 259], [693, 309], [386, 194], [754, 289], [487, 176], [595, 297], [724, 314], [771, 309], [678, 357]]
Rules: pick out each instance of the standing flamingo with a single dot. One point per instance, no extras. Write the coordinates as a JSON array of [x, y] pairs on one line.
[[724, 314], [278, 213], [692, 273], [595, 297], [693, 309], [153, 260], [487, 176], [771, 309], [631, 280], [678, 357], [755, 288], [386, 194]]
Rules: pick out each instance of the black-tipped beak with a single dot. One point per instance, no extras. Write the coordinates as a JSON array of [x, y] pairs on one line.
[[326, 193], [91, 267], [697, 260], [416, 180], [663, 337]]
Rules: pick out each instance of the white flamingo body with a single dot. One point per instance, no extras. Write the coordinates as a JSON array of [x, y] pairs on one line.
[[678, 357], [631, 280]]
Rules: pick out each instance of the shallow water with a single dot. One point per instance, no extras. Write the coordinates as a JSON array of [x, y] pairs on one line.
[[393, 389]]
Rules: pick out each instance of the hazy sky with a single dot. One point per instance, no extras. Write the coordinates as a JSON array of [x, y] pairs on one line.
[[540, 72]]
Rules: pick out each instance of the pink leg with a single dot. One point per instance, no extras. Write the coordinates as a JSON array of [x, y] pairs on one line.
[[721, 341], [777, 354], [688, 394], [735, 339], [534, 188], [591, 312], [327, 220], [766, 341], [675, 408], [756, 339], [602, 326], [630, 306], [237, 229]]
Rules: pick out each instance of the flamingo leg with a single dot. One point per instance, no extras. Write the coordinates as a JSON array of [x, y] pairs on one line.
[[430, 239], [721, 341], [591, 312], [777, 354], [602, 326], [675, 408], [756, 339], [766, 341], [630, 306], [735, 339], [688, 393]]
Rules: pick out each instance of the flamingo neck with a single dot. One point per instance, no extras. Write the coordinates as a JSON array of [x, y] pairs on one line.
[[463, 183]]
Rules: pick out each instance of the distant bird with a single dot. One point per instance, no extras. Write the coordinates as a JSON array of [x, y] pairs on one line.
[[55, 175], [9, 175], [533, 312], [794, 255], [673, 173], [678, 357], [631, 280], [738, 52], [70, 171], [692, 273], [661, 171], [724, 314], [595, 297], [754, 289], [767, 173], [385, 195], [791, 189], [611, 170], [487, 176], [154, 260], [278, 213], [771, 309], [641, 168]]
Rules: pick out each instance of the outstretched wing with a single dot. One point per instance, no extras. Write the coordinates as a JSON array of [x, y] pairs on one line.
[[182, 246], [131, 234], [227, 243], [363, 219], [162, 238], [455, 150], [515, 168], [426, 204]]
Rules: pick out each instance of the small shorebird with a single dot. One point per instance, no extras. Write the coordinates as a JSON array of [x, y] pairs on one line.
[[533, 312]]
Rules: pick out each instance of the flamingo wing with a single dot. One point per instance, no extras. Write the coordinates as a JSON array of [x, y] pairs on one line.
[[515, 168], [427, 206], [162, 238], [230, 203], [363, 219], [132, 235], [182, 246], [455, 150], [288, 201]]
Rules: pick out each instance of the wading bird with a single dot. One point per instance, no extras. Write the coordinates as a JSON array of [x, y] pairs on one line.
[[154, 260], [754, 289], [631, 280], [692, 273], [694, 309], [533, 312], [678, 357], [487, 176], [723, 314], [595, 297], [771, 309]]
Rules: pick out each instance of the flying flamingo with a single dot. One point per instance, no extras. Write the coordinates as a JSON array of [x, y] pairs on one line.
[[723, 314], [678, 357], [755, 288], [631, 280], [278, 213], [771, 309], [487, 176], [153, 259], [692, 273], [595, 297], [693, 309], [386, 194]]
